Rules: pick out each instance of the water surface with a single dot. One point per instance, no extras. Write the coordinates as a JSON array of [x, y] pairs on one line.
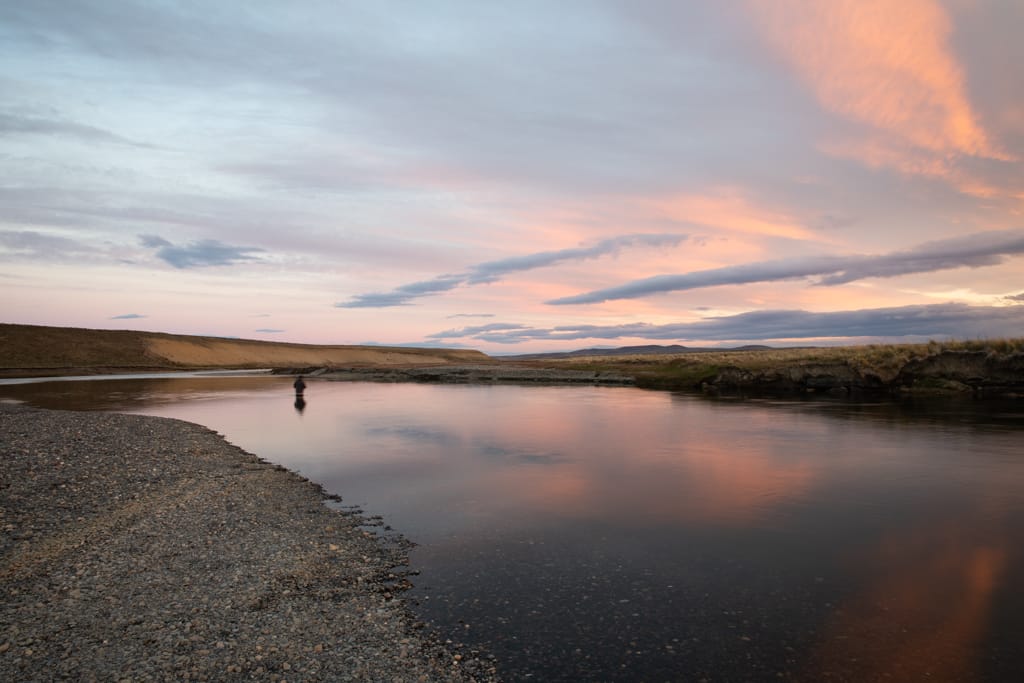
[[586, 533]]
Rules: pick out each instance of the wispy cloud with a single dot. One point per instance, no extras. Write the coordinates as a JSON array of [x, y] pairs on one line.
[[269, 330], [128, 316], [199, 253], [936, 320], [494, 271], [480, 331], [889, 69], [471, 315], [727, 208], [1016, 297], [31, 244], [983, 249], [11, 124]]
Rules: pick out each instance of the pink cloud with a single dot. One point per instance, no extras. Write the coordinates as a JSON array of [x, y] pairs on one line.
[[729, 210], [889, 68]]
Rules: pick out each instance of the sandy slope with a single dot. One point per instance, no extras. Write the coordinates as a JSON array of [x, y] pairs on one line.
[[233, 353], [58, 350]]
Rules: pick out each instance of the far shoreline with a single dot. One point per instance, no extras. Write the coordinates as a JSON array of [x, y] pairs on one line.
[[979, 369]]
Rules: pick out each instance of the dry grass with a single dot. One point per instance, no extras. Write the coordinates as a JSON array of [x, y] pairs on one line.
[[689, 369], [31, 349]]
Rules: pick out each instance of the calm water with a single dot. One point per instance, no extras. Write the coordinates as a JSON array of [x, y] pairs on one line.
[[584, 533]]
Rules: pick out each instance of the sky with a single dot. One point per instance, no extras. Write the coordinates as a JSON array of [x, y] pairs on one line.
[[515, 177]]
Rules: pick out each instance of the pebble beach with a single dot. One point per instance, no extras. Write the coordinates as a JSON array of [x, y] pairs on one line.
[[148, 549]]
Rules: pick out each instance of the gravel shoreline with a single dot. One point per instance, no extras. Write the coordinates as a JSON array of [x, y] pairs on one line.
[[148, 549]]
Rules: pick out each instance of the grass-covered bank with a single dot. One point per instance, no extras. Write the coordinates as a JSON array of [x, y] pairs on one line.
[[990, 367]]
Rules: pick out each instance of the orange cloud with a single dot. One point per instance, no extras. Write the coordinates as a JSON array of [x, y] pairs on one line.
[[729, 210], [887, 66]]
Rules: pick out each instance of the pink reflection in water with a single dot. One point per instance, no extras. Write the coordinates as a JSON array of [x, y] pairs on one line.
[[907, 524]]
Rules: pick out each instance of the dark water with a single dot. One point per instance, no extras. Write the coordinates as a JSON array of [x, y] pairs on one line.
[[584, 533]]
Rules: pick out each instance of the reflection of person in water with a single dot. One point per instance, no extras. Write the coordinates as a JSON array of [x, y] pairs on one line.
[[300, 402]]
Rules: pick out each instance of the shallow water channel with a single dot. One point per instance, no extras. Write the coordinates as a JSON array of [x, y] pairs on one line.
[[587, 533]]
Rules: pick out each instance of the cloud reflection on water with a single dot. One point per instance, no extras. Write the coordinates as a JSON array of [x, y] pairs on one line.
[[861, 539], [924, 609]]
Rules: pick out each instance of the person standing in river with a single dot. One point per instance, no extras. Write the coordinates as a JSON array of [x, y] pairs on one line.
[[300, 401]]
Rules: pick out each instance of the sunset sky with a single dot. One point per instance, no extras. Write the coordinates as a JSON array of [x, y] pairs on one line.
[[515, 176]]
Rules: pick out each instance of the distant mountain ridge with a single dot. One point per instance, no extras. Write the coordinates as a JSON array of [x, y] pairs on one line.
[[646, 349]]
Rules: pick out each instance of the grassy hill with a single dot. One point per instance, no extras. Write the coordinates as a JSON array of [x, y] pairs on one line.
[[39, 350]]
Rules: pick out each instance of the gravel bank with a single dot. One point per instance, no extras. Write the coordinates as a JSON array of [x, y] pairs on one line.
[[149, 549]]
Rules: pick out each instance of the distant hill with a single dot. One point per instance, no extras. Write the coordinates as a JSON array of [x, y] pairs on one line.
[[40, 350], [647, 350]]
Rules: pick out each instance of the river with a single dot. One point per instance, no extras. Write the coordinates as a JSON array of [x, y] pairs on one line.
[[588, 533]]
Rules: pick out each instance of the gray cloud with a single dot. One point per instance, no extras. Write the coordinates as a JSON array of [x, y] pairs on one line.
[[128, 316], [115, 212], [494, 271], [479, 331], [11, 124], [471, 315], [199, 253], [547, 103], [153, 241], [401, 296], [983, 249], [269, 330], [33, 244], [937, 320], [1016, 297]]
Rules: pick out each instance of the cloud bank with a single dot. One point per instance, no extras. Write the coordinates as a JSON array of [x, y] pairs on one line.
[[983, 249], [200, 253], [494, 271], [936, 320]]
